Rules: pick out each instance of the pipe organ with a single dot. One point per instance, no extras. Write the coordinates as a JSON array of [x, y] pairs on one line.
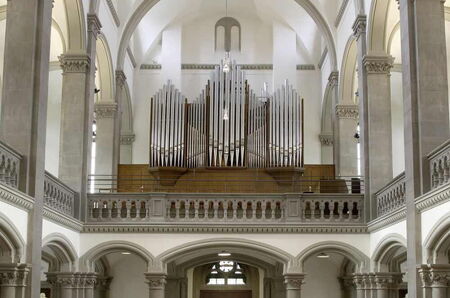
[[227, 126]]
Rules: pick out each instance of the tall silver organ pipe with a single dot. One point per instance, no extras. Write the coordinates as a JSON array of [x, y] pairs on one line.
[[226, 126]]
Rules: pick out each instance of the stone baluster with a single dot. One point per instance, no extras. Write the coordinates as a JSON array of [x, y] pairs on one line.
[[293, 283], [128, 207], [235, 206], [156, 284], [13, 280], [196, 209], [244, 210]]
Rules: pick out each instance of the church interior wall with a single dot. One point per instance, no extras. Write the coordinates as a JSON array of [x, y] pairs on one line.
[[49, 227], [377, 236], [17, 216]]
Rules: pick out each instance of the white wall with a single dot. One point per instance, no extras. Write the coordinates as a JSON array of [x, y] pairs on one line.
[[398, 141]]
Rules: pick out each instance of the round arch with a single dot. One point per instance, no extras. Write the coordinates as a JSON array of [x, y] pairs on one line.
[[389, 250], [360, 260], [87, 261], [437, 242], [76, 25], [147, 5], [256, 251], [105, 69], [12, 245], [348, 69], [60, 250], [376, 34]]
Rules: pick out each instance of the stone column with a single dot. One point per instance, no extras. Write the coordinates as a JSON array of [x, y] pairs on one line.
[[346, 283], [326, 140], [105, 114], [72, 156], [13, 280], [359, 31], [379, 137], [24, 111], [156, 284], [293, 283], [435, 280], [102, 287], [386, 283], [126, 148], [87, 284], [72, 284], [358, 280], [426, 113], [120, 94], [347, 122], [333, 83]]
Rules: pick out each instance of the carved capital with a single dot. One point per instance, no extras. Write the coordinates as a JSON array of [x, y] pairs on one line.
[[358, 281], [326, 139], [14, 274], [94, 24], [127, 139], [294, 281], [72, 279], [333, 79], [347, 111], [378, 64], [387, 280], [155, 281], [105, 110], [72, 63], [435, 276], [121, 78], [359, 26]]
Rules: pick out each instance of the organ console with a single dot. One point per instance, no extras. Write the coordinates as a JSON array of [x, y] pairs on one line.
[[227, 126]]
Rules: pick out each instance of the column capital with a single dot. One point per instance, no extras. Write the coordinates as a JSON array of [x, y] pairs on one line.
[[105, 110], [387, 280], [104, 282], [346, 282], [359, 26], [326, 139], [121, 78], [333, 79], [378, 64], [14, 274], [347, 111], [435, 276], [72, 279], [127, 139], [156, 281], [294, 281], [94, 24], [74, 63]]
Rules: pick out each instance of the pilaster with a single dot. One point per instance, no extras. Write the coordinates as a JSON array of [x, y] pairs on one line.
[[333, 83], [121, 79], [347, 121], [105, 115]]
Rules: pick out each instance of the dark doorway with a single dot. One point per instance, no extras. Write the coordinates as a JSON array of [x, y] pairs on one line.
[[226, 294]]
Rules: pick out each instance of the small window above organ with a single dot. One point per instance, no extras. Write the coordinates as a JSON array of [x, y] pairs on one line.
[[227, 35]]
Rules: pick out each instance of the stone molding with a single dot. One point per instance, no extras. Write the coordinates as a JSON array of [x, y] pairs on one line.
[[340, 13], [306, 67], [14, 275], [333, 79], [322, 58], [387, 280], [113, 11], [105, 110], [347, 111], [294, 281], [193, 66], [121, 78], [433, 198], [326, 139], [74, 63], [131, 56], [378, 64], [94, 24], [155, 281], [359, 26], [435, 276], [387, 220], [60, 218], [202, 228], [150, 66], [127, 139], [72, 280]]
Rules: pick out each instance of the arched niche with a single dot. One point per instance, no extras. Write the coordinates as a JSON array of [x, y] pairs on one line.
[[390, 254]]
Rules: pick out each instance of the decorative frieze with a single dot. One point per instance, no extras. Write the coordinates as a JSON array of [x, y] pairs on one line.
[[14, 275], [113, 11], [378, 64], [127, 139], [155, 281], [94, 24], [73, 63], [347, 111], [326, 139], [359, 26], [333, 79], [436, 275], [72, 280], [150, 66], [105, 110], [294, 281]]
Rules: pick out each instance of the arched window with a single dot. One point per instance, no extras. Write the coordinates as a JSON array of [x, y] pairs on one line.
[[227, 35], [226, 273]]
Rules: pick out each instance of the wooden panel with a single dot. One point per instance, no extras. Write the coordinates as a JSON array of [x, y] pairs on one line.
[[226, 294]]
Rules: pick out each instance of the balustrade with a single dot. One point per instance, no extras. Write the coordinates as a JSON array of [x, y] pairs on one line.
[[59, 196], [392, 196], [9, 165], [217, 208], [440, 165]]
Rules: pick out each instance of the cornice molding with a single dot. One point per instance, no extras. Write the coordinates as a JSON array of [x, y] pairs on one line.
[[193, 66], [118, 227], [326, 139], [359, 26], [387, 220], [94, 24], [323, 57], [378, 64], [60, 218], [74, 63], [340, 13], [105, 110], [127, 139], [113, 11], [150, 66], [347, 111], [131, 56], [306, 67], [433, 198], [15, 197]]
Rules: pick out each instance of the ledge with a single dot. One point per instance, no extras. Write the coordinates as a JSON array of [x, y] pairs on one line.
[[388, 219], [433, 198]]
